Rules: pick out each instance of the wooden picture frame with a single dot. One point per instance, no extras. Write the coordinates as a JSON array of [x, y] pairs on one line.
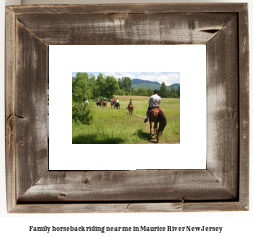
[[222, 186]]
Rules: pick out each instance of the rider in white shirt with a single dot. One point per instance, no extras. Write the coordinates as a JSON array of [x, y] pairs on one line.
[[117, 100], [154, 102]]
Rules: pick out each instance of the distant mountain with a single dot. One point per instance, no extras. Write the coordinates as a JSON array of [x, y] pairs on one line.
[[138, 83], [176, 85]]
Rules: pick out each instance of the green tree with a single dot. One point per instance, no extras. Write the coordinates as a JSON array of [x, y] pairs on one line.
[[111, 86], [139, 92], [173, 92], [81, 87], [120, 82], [126, 84], [168, 93], [92, 78], [99, 86], [142, 91], [149, 92], [178, 91], [163, 91], [134, 91], [80, 76], [118, 92], [172, 89]]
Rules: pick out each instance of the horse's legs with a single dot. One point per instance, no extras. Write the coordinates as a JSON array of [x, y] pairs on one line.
[[156, 131], [150, 123], [155, 127]]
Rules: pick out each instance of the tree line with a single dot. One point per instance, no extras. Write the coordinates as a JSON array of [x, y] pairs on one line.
[[163, 92], [87, 86]]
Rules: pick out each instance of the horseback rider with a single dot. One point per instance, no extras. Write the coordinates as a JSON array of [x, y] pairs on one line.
[[130, 103], [104, 99], [97, 101], [117, 101], [112, 100], [154, 102]]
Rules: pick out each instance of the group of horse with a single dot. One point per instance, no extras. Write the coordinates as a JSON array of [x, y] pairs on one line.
[[104, 104], [156, 115]]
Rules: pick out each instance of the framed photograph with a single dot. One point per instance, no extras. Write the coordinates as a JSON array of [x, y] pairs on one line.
[[89, 125], [34, 186]]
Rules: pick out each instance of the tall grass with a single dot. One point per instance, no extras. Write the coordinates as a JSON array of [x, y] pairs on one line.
[[112, 126]]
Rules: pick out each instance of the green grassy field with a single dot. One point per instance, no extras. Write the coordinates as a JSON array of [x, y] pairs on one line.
[[117, 127]]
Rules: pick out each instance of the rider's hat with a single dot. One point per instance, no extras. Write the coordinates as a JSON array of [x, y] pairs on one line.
[[155, 91]]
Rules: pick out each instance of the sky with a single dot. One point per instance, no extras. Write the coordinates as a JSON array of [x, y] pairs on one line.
[[167, 77]]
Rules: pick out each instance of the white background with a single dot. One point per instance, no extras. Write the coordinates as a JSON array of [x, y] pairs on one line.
[[236, 224], [190, 61]]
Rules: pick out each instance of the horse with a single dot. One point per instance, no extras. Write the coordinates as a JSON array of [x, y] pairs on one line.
[[98, 104], [112, 104], [157, 115], [131, 109], [117, 105], [104, 103]]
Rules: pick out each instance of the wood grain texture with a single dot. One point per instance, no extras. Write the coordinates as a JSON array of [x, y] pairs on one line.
[[30, 108], [9, 109], [244, 106], [139, 185], [186, 207], [223, 107], [122, 29], [223, 186], [129, 207], [129, 8]]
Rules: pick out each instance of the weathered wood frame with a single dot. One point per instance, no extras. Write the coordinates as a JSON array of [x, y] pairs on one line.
[[223, 186]]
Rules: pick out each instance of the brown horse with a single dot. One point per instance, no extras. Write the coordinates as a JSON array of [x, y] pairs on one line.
[[112, 104], [131, 109], [104, 103], [157, 115]]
